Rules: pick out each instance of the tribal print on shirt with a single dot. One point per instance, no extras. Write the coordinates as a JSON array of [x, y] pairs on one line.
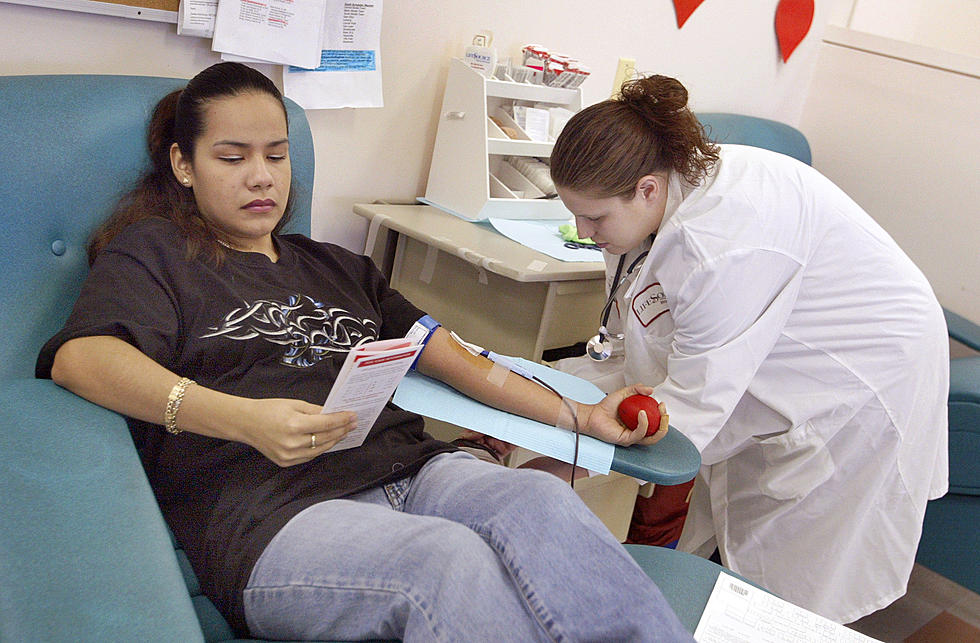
[[308, 330]]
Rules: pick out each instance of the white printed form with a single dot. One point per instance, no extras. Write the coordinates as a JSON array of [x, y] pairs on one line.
[[288, 32], [348, 73], [367, 381], [737, 612], [196, 18]]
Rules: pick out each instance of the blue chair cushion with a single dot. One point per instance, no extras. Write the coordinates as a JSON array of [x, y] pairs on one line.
[[739, 129]]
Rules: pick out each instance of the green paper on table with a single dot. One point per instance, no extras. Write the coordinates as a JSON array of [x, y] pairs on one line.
[[570, 233]]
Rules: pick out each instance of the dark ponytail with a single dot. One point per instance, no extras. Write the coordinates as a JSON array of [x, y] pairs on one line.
[[647, 129], [179, 118]]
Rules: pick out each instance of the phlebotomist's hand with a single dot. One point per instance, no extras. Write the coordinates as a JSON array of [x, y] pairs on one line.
[[601, 420]]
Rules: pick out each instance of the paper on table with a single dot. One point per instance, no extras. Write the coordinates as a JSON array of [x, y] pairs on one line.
[[196, 18], [544, 237], [277, 31], [348, 73], [365, 384], [438, 401], [737, 612]]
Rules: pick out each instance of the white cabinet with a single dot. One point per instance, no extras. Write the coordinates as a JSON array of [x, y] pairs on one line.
[[470, 175]]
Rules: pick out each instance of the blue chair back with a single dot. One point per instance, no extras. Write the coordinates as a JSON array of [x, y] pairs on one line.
[[738, 129], [72, 145], [84, 551]]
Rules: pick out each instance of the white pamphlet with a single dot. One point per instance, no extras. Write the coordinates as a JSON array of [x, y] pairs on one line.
[[737, 612], [366, 382]]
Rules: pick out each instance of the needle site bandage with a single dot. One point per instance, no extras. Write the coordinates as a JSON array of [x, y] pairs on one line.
[[501, 364], [420, 333], [498, 374]]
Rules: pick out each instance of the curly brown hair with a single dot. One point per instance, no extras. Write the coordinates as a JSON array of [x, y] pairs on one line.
[[647, 129]]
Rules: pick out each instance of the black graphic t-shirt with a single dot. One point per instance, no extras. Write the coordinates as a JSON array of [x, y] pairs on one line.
[[257, 329]]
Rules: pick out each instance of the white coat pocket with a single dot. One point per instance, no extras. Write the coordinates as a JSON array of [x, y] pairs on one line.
[[796, 463], [649, 329], [646, 358]]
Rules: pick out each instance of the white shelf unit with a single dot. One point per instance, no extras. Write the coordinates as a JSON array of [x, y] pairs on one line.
[[468, 176]]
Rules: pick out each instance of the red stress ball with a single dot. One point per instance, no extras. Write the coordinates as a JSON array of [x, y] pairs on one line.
[[629, 411]]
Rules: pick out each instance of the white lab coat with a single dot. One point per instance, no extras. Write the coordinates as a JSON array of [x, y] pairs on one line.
[[806, 357]]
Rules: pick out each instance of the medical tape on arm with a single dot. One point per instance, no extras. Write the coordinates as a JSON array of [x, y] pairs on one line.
[[498, 374], [501, 365]]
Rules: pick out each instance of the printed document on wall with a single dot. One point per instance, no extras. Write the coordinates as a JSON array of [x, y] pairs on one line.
[[349, 72], [196, 18], [278, 31]]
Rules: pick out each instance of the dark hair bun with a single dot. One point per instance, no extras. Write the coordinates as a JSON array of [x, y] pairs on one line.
[[647, 128], [666, 93]]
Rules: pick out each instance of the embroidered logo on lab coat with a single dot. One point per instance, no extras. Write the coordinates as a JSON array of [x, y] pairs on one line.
[[649, 304]]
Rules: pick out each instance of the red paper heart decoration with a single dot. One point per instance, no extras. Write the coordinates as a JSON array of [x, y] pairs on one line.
[[684, 9], [793, 20]]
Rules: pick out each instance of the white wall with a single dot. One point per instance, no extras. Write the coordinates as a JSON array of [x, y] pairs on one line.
[[945, 24], [900, 137], [895, 125], [726, 54]]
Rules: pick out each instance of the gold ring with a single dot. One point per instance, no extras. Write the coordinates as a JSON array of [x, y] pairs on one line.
[[313, 440]]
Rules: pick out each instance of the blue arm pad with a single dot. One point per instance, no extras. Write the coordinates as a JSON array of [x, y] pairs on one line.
[[420, 332]]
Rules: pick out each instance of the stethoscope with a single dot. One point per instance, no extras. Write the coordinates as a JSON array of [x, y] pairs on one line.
[[599, 347]]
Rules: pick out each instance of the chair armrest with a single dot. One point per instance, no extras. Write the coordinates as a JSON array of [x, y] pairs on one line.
[[672, 460], [962, 329], [85, 552], [685, 580]]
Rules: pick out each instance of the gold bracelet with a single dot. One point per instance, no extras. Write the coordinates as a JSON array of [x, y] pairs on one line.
[[173, 404]]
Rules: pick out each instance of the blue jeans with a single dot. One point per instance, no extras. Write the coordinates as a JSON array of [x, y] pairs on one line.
[[462, 551]]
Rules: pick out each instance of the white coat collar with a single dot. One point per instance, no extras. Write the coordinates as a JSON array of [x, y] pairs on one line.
[[678, 189]]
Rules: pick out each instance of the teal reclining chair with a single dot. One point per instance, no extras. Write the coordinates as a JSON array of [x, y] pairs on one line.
[[950, 534], [85, 554], [738, 129]]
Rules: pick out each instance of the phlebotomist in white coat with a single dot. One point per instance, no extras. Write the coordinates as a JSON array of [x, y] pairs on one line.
[[790, 338]]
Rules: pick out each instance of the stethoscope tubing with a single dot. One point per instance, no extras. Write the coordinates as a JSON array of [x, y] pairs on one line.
[[619, 280], [598, 348]]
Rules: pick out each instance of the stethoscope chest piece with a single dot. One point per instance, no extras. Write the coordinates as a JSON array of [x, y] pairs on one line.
[[598, 348]]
